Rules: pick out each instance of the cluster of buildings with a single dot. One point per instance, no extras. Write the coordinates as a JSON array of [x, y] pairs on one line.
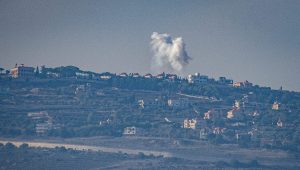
[[171, 77], [235, 108], [204, 130], [22, 71], [189, 123], [202, 79], [197, 78]]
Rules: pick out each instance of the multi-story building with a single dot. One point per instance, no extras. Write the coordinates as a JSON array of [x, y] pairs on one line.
[[197, 78], [22, 71], [129, 131], [189, 123]]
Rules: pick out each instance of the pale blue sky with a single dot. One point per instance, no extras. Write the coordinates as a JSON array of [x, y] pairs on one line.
[[250, 40]]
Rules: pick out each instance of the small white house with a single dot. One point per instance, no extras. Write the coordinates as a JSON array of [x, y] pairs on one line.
[[129, 131], [189, 123]]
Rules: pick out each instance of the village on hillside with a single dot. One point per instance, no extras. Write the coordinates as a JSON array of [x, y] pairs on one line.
[[67, 102], [196, 107]]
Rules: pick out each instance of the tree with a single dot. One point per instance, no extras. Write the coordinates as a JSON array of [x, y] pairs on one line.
[[24, 146], [37, 71], [67, 71], [89, 118], [9, 146], [235, 163], [43, 72], [253, 163]]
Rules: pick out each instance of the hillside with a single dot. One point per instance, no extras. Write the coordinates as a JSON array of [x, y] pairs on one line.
[[89, 104], [76, 106]]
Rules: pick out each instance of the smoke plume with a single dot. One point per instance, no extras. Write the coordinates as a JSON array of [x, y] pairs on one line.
[[169, 53]]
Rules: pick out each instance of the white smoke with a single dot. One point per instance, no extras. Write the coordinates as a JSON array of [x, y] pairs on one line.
[[169, 53]]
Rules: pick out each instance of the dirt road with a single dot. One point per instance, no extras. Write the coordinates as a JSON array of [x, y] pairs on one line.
[[87, 148]]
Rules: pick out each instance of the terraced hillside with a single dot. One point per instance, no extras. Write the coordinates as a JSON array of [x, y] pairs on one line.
[[130, 106]]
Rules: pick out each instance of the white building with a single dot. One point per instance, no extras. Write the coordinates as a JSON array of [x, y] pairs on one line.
[[148, 76], [230, 113], [105, 77], [123, 75], [279, 123], [275, 106], [207, 115], [135, 75], [129, 131], [189, 123], [237, 104], [82, 75], [141, 103], [197, 78]]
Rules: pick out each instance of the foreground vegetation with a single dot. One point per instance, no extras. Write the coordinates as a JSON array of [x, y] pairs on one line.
[[24, 157]]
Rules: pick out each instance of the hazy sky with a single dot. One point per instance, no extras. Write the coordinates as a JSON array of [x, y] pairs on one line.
[[258, 41]]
